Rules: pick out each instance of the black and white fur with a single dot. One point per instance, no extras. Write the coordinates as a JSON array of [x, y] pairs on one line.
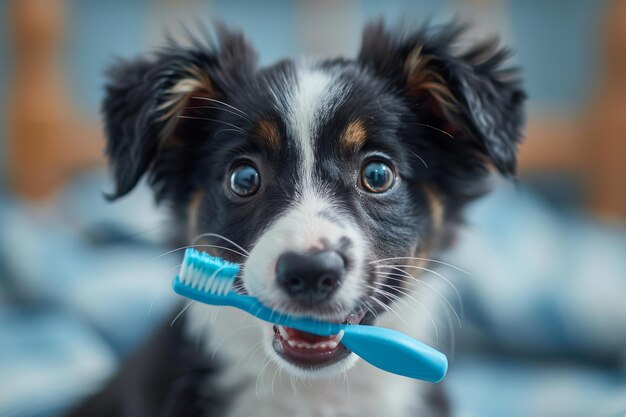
[[442, 116]]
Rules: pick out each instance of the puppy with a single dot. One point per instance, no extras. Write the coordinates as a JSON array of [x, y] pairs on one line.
[[333, 182]]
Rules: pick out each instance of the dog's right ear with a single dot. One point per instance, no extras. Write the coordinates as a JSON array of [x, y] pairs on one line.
[[145, 98], [470, 94]]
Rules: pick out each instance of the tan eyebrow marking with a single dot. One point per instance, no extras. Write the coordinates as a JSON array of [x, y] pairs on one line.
[[422, 76], [267, 133], [196, 82], [354, 136]]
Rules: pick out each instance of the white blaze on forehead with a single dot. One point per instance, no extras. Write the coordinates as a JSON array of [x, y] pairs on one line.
[[315, 95]]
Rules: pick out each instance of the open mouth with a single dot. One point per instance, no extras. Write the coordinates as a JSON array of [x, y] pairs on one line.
[[310, 351]]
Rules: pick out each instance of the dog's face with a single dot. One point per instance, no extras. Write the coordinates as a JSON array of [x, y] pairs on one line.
[[322, 172]]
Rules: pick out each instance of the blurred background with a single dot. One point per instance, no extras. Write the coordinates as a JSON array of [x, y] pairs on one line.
[[82, 281]]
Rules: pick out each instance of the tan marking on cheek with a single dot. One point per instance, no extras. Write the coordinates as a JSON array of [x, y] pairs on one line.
[[192, 213], [437, 209], [354, 136], [268, 134]]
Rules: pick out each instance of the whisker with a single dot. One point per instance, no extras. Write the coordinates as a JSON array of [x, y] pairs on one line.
[[157, 295], [170, 251], [217, 108], [208, 119], [399, 290], [368, 306], [259, 346], [420, 158], [388, 308], [232, 333], [414, 283], [243, 255], [294, 382], [210, 234], [222, 103], [181, 312], [249, 352], [417, 284], [451, 333], [162, 289], [200, 246], [391, 297], [225, 130], [422, 259], [278, 369], [223, 248], [268, 359], [434, 128], [396, 288], [430, 286], [428, 313], [238, 288], [379, 302], [395, 297], [450, 326], [345, 378], [458, 294], [214, 318], [454, 288]]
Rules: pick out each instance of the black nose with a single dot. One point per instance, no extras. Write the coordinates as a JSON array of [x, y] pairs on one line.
[[310, 278]]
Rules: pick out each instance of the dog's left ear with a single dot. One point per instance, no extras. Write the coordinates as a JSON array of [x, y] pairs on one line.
[[469, 94], [149, 101]]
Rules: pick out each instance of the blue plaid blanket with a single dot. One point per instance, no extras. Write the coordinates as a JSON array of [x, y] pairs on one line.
[[82, 283]]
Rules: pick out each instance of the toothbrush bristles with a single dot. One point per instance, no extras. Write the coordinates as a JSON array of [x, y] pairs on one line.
[[207, 273]]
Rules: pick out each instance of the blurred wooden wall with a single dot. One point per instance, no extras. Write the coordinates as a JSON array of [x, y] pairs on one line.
[[591, 145], [48, 143]]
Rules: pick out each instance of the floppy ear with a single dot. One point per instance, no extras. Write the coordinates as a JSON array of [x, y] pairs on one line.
[[146, 97], [470, 95]]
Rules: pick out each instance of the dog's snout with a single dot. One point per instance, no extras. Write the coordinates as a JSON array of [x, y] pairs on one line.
[[311, 277]]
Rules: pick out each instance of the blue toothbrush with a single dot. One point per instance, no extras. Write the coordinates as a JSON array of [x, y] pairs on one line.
[[210, 280]]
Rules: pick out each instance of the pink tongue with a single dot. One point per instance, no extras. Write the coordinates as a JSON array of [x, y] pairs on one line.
[[300, 336]]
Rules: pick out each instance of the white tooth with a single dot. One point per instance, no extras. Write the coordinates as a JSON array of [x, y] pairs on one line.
[[332, 344], [339, 336], [300, 345], [308, 346], [291, 343], [283, 333], [323, 345]]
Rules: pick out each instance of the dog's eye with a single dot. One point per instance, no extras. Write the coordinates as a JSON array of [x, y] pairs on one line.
[[377, 177], [244, 180]]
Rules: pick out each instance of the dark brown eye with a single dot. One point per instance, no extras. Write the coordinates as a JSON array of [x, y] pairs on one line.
[[377, 177], [244, 180]]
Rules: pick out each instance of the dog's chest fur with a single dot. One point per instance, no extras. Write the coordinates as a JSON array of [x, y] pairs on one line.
[[253, 385]]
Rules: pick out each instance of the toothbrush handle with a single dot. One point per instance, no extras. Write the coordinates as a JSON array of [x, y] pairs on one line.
[[384, 348], [395, 352]]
